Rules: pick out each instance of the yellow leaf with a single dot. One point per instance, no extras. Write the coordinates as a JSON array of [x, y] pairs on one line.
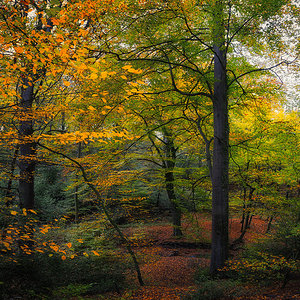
[[80, 241], [69, 245], [6, 245], [55, 21], [93, 76], [18, 49], [134, 71], [55, 248], [13, 212], [127, 67], [66, 83], [96, 253], [24, 212], [104, 74]]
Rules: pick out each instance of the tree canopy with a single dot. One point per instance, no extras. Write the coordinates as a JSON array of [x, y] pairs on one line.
[[130, 106]]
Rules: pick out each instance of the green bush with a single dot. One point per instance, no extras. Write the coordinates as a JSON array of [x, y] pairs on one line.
[[51, 197], [71, 290], [216, 289], [39, 275], [261, 267], [202, 275]]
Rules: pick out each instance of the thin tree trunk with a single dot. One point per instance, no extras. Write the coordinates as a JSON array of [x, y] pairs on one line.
[[76, 187], [106, 212], [220, 182], [170, 152], [176, 212], [269, 224], [244, 210], [27, 147]]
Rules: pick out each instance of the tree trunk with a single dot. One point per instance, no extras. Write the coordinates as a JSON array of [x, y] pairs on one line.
[[27, 148], [170, 152], [76, 187], [220, 181], [176, 212]]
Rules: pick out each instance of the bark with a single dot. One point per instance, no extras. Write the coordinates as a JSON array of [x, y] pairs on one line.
[[169, 179], [168, 157], [76, 187], [176, 212], [207, 148], [269, 224], [220, 181], [27, 148]]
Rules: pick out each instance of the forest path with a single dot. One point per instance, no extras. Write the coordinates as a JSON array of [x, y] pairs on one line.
[[168, 264]]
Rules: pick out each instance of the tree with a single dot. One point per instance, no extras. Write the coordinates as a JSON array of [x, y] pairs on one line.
[[195, 40], [40, 49]]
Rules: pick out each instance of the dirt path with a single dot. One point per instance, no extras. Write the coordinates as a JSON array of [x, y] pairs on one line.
[[169, 264]]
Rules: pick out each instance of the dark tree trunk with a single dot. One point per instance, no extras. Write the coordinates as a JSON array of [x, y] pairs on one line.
[[176, 212], [220, 181], [170, 152], [269, 224], [27, 148]]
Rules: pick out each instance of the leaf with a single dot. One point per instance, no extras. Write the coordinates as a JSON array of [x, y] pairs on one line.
[[93, 76], [18, 49], [96, 253], [13, 212], [104, 74], [127, 67], [66, 83], [55, 21]]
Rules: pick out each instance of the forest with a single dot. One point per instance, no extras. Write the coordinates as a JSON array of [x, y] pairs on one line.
[[149, 149]]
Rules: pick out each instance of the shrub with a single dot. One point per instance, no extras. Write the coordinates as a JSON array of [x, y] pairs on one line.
[[215, 289], [39, 274], [261, 267]]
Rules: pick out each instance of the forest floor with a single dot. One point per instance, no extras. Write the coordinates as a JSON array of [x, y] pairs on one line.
[[168, 264]]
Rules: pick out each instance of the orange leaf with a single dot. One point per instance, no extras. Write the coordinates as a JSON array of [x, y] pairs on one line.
[[96, 253]]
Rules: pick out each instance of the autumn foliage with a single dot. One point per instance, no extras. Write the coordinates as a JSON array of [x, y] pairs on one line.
[[151, 144]]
